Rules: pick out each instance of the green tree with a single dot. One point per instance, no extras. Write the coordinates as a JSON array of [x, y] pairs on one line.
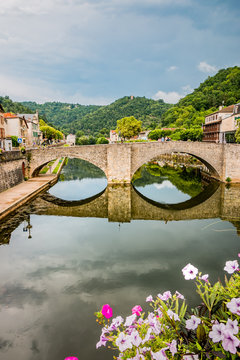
[[237, 134], [128, 127], [102, 140]]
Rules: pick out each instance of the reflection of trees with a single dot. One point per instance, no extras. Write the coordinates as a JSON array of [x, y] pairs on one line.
[[77, 169], [186, 180]]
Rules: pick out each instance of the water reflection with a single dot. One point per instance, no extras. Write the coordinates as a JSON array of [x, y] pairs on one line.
[[168, 184], [78, 258], [79, 179]]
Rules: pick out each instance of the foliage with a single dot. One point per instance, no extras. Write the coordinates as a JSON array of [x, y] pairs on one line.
[[49, 132], [86, 140], [14, 141], [185, 179], [99, 120], [193, 134], [158, 133], [128, 127], [169, 331], [237, 134], [14, 107], [192, 109], [102, 140]]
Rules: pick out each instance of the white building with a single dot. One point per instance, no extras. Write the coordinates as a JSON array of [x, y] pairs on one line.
[[34, 133], [71, 139]]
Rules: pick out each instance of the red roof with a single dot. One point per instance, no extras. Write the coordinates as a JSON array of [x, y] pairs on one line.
[[9, 115]]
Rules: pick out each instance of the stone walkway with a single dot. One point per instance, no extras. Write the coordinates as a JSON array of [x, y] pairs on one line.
[[14, 197]]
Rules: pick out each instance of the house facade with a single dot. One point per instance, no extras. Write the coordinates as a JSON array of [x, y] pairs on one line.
[[71, 139], [33, 131], [16, 125], [221, 125], [114, 137]]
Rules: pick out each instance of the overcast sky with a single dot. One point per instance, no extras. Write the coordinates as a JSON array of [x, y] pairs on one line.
[[96, 51]]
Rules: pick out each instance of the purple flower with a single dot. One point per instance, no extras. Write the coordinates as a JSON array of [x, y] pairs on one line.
[[160, 355], [165, 296], [179, 296], [130, 319], [217, 332], [231, 266], [189, 272], [123, 342], [192, 323], [149, 298], [173, 347], [135, 338], [71, 358], [230, 342], [117, 321], [173, 315], [204, 277], [232, 325], [147, 337], [102, 342], [234, 306]]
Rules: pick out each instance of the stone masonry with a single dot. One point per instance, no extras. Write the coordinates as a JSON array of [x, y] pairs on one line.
[[120, 161]]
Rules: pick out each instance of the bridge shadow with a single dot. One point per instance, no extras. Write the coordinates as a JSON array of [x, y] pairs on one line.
[[188, 204]]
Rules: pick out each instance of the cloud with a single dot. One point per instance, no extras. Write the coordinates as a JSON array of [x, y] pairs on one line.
[[172, 68], [206, 68], [171, 97], [22, 89]]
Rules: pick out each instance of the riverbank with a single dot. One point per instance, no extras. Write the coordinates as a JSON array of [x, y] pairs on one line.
[[11, 199]]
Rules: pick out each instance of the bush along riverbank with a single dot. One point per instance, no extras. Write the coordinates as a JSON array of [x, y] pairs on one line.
[[171, 331]]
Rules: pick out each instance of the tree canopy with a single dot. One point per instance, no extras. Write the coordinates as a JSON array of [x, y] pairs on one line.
[[128, 127]]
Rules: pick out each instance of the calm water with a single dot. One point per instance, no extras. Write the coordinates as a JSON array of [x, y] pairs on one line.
[[59, 264]]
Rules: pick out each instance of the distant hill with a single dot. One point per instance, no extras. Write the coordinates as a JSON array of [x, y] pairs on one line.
[[92, 119], [222, 88], [14, 107], [61, 115]]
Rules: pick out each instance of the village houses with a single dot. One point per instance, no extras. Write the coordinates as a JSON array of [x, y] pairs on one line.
[[221, 125]]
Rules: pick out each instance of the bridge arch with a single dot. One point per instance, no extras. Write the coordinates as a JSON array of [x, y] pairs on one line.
[[93, 154], [209, 158]]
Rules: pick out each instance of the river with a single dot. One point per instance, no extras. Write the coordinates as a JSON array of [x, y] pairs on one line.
[[83, 244]]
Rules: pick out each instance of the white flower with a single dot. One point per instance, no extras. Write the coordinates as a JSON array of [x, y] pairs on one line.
[[193, 322], [123, 342], [173, 315], [135, 338], [149, 298], [130, 319], [217, 332], [189, 272], [231, 266], [234, 306], [232, 325]]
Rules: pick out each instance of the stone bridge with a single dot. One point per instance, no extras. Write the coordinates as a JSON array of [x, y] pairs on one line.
[[120, 161]]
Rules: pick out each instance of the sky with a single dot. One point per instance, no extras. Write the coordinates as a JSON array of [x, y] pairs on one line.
[[96, 51]]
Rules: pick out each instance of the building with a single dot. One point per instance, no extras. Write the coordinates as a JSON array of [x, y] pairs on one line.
[[114, 137], [71, 139], [221, 125], [16, 125], [33, 131]]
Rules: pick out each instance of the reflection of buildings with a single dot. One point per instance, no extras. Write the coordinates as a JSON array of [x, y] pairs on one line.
[[123, 204]]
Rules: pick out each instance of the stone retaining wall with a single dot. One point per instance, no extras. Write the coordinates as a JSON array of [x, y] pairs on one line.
[[11, 172]]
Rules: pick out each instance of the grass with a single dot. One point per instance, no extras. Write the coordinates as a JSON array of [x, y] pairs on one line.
[[57, 167]]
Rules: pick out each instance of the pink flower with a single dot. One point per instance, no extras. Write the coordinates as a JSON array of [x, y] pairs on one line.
[[137, 310], [231, 266], [234, 306], [204, 277], [238, 254], [217, 332], [71, 358], [165, 296], [230, 342], [180, 296], [149, 298], [192, 323], [232, 325], [107, 311], [189, 272]]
